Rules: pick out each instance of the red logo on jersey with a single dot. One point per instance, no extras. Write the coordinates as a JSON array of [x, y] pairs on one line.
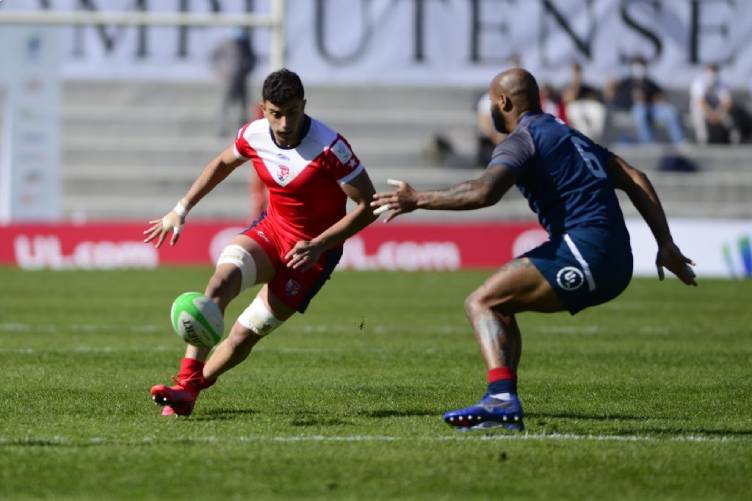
[[283, 173]]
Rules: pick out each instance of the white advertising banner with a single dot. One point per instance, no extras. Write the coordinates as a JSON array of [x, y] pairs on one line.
[[30, 137], [721, 248], [440, 42]]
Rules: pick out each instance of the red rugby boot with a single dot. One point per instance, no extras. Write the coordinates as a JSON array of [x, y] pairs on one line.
[[181, 397]]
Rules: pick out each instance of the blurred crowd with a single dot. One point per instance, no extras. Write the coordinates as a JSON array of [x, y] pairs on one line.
[[714, 114], [633, 109]]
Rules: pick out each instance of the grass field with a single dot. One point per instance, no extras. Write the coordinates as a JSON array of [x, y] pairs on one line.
[[648, 397]]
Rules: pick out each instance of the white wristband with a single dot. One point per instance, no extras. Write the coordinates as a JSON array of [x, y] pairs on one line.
[[180, 209]]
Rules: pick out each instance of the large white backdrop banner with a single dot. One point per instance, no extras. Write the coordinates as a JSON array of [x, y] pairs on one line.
[[439, 42], [30, 131]]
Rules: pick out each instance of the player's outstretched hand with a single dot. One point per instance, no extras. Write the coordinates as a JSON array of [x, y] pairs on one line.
[[304, 255], [161, 227], [670, 257], [400, 201]]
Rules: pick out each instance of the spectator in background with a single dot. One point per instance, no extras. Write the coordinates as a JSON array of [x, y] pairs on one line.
[[233, 60], [551, 102], [487, 135], [645, 99], [715, 117], [583, 105]]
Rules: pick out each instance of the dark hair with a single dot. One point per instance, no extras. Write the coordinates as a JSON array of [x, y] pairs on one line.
[[282, 86]]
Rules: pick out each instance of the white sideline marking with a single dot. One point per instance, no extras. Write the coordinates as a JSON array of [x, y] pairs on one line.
[[459, 437], [386, 329], [475, 436], [443, 329], [11, 327], [89, 349], [567, 329], [177, 348], [54, 328], [316, 329], [573, 437]]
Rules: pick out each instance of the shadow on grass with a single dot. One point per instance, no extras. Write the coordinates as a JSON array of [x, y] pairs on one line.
[[320, 421], [390, 413], [586, 417], [222, 414], [35, 442]]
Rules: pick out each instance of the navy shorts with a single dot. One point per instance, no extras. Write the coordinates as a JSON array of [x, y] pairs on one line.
[[585, 266]]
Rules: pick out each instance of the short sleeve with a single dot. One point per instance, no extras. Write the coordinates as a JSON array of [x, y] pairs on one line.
[[242, 149], [604, 153], [341, 162], [514, 152]]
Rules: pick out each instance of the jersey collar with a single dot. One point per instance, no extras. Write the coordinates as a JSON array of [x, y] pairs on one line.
[[527, 116]]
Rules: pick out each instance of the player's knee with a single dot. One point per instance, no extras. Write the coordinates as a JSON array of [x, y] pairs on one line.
[[473, 304], [242, 340], [240, 258], [478, 303], [259, 318], [222, 286]]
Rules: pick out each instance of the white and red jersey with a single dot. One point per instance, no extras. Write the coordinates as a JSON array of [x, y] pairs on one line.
[[305, 196]]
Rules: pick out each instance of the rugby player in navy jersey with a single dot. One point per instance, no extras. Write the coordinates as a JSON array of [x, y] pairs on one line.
[[569, 182]]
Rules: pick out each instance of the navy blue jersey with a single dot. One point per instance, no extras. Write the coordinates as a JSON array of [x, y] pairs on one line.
[[562, 174]]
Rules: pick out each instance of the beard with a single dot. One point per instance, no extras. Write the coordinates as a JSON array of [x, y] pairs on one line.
[[498, 119]]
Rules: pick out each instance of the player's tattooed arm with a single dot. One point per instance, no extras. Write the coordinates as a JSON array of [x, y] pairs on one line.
[[473, 194], [514, 264], [638, 187]]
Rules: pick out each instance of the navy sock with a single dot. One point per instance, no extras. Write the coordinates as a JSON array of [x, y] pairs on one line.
[[502, 386], [502, 380]]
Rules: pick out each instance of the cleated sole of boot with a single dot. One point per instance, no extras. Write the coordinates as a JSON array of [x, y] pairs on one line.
[[160, 400], [468, 423], [492, 425]]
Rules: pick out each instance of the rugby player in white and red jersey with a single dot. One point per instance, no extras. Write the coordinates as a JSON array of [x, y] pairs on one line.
[[310, 172]]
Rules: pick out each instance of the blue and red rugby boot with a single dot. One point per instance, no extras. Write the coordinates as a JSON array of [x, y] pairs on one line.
[[501, 409]]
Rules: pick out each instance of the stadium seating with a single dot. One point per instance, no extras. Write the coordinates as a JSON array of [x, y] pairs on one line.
[[131, 149]]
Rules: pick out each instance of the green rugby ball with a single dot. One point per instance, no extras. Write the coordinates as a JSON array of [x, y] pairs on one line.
[[197, 320]]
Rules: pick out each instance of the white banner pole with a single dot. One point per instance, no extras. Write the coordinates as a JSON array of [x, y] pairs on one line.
[[5, 152], [277, 59]]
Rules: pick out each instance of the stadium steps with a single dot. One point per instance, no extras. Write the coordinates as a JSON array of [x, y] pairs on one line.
[[131, 149]]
